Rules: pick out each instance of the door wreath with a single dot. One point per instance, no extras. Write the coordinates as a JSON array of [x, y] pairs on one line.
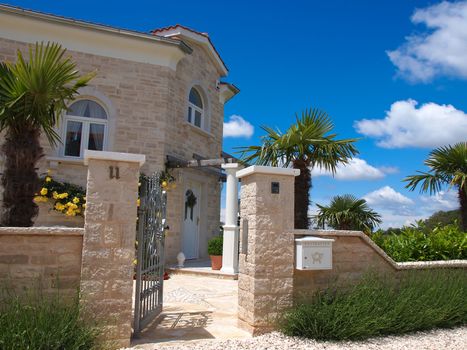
[[190, 202]]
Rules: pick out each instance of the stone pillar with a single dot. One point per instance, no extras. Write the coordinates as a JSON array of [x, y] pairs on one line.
[[265, 281], [109, 241], [230, 247]]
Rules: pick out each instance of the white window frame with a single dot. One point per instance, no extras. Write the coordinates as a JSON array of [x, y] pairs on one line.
[[86, 122], [196, 108]]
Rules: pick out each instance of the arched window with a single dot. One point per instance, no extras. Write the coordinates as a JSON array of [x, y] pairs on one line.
[[196, 113], [85, 128]]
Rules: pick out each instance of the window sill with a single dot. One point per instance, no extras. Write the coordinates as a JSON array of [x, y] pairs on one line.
[[198, 130], [54, 161]]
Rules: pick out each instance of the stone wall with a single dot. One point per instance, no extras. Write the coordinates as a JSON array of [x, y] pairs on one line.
[[354, 254], [268, 281], [49, 258]]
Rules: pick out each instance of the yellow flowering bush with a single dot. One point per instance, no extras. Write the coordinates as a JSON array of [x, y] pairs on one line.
[[66, 198]]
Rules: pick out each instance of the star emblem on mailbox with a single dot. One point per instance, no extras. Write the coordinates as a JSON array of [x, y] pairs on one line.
[[317, 257]]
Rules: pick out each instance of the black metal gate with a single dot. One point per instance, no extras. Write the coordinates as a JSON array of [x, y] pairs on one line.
[[150, 252]]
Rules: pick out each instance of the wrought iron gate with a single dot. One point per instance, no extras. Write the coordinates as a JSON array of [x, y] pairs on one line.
[[150, 252]]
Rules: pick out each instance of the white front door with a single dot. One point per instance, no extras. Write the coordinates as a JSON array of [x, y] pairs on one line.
[[191, 213]]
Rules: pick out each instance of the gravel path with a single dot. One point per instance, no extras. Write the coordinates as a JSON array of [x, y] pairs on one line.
[[450, 339]]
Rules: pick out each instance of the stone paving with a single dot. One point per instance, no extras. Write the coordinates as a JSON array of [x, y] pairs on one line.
[[195, 308]]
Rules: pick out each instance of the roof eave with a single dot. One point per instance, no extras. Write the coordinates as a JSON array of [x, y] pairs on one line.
[[93, 26]]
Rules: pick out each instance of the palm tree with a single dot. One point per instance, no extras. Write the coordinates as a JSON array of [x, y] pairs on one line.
[[448, 166], [33, 94], [347, 212], [306, 144]]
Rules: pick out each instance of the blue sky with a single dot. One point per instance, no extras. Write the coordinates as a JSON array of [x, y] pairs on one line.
[[354, 59]]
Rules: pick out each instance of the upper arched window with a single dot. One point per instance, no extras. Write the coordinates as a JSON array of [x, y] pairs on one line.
[[85, 128], [196, 113]]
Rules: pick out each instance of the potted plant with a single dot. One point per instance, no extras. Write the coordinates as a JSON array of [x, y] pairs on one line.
[[215, 252]]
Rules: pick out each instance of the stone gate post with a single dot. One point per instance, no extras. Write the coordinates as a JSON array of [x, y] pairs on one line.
[[109, 241], [266, 261]]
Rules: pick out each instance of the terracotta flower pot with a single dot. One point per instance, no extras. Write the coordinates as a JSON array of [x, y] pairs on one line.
[[216, 262]]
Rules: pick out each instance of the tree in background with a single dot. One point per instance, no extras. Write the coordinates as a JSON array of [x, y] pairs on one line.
[[33, 95], [447, 167], [307, 143], [347, 212]]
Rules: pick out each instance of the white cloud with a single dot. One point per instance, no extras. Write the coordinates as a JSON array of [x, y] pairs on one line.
[[443, 200], [356, 169], [238, 127], [387, 196], [405, 125], [441, 50]]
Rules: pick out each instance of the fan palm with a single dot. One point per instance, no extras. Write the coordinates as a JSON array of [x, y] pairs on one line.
[[307, 143], [448, 167], [33, 94], [347, 213]]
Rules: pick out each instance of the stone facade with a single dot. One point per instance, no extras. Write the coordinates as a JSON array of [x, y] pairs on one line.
[[147, 107], [39, 257]]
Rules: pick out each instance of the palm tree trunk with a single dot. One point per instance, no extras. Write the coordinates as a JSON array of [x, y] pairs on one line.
[[302, 194], [463, 207], [20, 181]]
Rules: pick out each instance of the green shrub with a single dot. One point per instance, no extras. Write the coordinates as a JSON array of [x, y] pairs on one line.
[[379, 306], [215, 245], [419, 244], [41, 323]]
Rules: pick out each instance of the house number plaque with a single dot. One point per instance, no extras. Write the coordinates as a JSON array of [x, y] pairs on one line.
[[114, 172]]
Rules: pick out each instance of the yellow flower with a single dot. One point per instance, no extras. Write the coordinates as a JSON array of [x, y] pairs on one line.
[[76, 200], [59, 206], [40, 199], [44, 191], [84, 205], [48, 179], [138, 202], [164, 184], [55, 195], [84, 198], [63, 195]]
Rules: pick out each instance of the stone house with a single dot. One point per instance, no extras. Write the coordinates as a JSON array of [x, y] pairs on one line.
[[157, 93]]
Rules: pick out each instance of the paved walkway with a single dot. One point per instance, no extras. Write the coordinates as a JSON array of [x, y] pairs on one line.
[[195, 308]]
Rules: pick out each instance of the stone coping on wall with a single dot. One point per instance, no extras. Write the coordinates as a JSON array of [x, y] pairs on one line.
[[396, 265], [115, 156], [42, 231]]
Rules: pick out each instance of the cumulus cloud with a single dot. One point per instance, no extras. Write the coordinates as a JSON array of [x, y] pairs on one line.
[[441, 49], [356, 169], [238, 127], [443, 200], [387, 196], [430, 125]]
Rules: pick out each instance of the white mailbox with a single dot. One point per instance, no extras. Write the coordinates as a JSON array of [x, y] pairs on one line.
[[313, 253]]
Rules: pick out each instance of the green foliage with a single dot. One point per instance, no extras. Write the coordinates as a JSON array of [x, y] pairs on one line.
[[442, 218], [215, 245], [416, 243], [309, 139], [379, 305], [35, 91], [447, 167], [347, 213], [42, 323]]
